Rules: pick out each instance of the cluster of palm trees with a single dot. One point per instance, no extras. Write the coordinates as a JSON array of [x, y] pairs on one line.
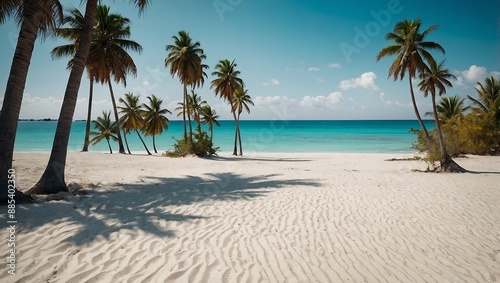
[[413, 58], [185, 60], [39, 17]]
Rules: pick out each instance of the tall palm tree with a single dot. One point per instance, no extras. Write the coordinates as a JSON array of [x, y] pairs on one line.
[[436, 77], [155, 120], [489, 99], [185, 61], [411, 52], [131, 118], [226, 82], [241, 101], [449, 107], [34, 17], [73, 33], [109, 52], [209, 117], [53, 179], [105, 130]]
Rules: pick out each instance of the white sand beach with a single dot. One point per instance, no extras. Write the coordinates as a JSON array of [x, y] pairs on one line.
[[308, 217]]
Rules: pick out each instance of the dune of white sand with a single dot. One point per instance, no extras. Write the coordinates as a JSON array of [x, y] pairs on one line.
[[315, 217]]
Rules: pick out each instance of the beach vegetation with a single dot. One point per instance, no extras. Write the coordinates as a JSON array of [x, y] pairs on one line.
[[411, 48], [34, 18], [209, 117], [155, 119], [185, 59], [53, 178], [241, 101], [225, 83], [105, 130], [132, 116], [437, 78]]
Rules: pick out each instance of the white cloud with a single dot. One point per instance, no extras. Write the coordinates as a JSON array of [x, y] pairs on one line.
[[273, 82], [268, 101], [319, 80], [495, 74], [321, 101], [335, 65], [313, 69], [474, 73], [366, 80]]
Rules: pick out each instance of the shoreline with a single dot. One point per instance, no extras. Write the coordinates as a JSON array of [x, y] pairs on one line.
[[263, 217]]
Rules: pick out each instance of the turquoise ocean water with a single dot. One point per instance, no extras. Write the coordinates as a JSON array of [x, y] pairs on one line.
[[357, 136]]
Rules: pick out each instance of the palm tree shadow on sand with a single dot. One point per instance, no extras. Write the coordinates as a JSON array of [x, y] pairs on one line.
[[109, 209]]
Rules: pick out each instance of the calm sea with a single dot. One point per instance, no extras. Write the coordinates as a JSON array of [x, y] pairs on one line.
[[357, 136]]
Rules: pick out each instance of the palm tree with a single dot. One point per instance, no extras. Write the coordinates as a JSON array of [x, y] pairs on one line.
[[436, 77], [185, 61], [105, 130], [53, 180], [411, 51], [209, 117], [489, 99], [449, 107], [155, 120], [73, 33], [195, 105], [241, 101], [34, 17], [132, 116], [108, 51], [226, 82]]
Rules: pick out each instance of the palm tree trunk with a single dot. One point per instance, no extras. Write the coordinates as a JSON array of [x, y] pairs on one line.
[[430, 141], [86, 142], [126, 142], [235, 150], [184, 113], [239, 136], [189, 118], [115, 110], [11, 107], [52, 180], [447, 163], [211, 135], [154, 144], [109, 146], [143, 143]]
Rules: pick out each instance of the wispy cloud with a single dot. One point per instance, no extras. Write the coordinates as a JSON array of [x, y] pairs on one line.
[[272, 82], [313, 69], [319, 80], [366, 80], [334, 65]]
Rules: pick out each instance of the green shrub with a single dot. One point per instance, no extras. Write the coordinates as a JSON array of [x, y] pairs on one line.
[[201, 146]]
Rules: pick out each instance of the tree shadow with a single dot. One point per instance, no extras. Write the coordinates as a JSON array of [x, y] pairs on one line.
[[148, 206], [261, 158]]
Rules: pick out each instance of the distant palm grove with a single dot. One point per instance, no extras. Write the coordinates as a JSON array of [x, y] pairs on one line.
[[100, 46]]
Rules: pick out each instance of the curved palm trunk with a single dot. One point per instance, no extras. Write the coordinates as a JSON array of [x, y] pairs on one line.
[[447, 163], [430, 141], [211, 135], [239, 136], [143, 143], [126, 142], [109, 146], [235, 150], [154, 144], [189, 119], [121, 149], [11, 107], [86, 142], [184, 113], [52, 180]]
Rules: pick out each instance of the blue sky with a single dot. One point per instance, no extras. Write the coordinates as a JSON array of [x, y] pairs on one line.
[[299, 59]]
